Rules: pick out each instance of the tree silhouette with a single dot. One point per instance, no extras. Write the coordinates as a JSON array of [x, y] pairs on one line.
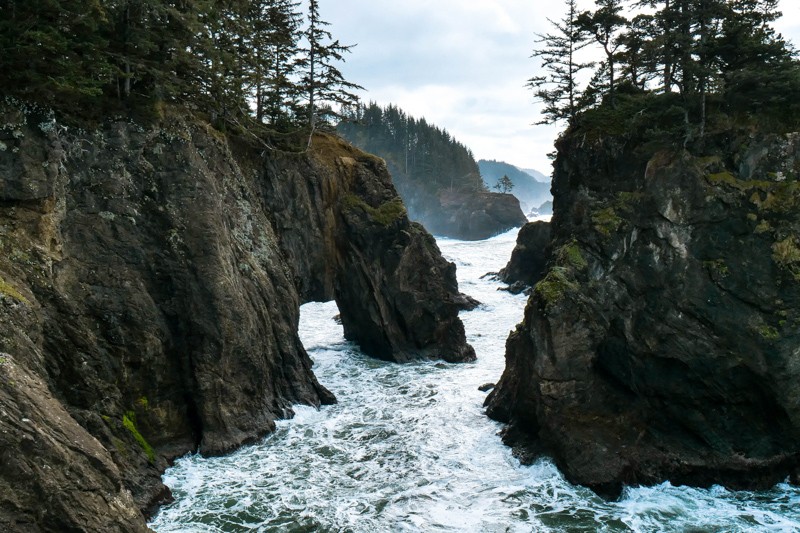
[[504, 184]]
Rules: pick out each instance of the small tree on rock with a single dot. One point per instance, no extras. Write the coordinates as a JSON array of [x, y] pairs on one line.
[[322, 83], [504, 184]]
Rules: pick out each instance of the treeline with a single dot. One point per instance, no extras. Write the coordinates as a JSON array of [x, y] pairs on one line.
[[422, 153], [699, 54], [228, 59]]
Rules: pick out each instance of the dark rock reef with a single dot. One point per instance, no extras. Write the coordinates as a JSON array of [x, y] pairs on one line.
[[663, 342], [529, 259], [150, 280]]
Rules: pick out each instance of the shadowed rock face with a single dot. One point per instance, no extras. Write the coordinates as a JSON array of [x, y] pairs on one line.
[[529, 259], [397, 296], [662, 342], [150, 281]]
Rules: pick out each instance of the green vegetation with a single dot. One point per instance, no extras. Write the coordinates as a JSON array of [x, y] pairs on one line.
[[129, 423], [92, 58], [561, 278], [418, 153], [717, 268], [768, 332], [8, 290], [606, 221], [504, 184], [555, 284], [385, 214], [570, 255], [786, 254], [672, 71], [779, 197]]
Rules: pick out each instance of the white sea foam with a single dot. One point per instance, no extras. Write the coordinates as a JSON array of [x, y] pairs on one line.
[[408, 448]]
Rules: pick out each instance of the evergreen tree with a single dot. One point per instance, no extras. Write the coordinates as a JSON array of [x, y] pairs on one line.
[[558, 88], [275, 32], [504, 184], [322, 82], [53, 51], [605, 25], [422, 153], [637, 58]]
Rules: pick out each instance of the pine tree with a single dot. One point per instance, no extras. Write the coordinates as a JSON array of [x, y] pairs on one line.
[[274, 36], [557, 52], [322, 82], [605, 25], [638, 61], [504, 184], [53, 51]]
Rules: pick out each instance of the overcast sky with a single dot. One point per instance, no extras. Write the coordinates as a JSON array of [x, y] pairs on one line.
[[463, 64]]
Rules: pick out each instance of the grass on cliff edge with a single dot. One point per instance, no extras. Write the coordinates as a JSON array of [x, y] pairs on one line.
[[7, 290], [385, 214]]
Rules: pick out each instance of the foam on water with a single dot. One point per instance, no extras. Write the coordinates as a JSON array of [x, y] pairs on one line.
[[408, 448]]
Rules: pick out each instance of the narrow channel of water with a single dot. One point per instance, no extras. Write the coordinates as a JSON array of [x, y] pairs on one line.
[[408, 448]]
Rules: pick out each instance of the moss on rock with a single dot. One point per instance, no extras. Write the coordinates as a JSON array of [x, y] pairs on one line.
[[129, 422], [385, 214], [606, 221], [555, 285], [8, 290]]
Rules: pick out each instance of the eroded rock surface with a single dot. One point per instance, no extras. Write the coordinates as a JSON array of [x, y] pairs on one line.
[[149, 295], [664, 340], [530, 256], [398, 297]]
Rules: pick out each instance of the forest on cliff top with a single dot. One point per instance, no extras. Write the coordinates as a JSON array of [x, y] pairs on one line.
[[235, 62], [416, 151], [668, 69]]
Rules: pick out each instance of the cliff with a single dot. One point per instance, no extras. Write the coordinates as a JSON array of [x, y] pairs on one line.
[[528, 262], [436, 175], [531, 192], [467, 215], [662, 342], [150, 282]]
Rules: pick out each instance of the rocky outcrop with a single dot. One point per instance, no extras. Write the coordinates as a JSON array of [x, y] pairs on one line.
[[662, 342], [466, 214], [398, 297], [149, 298], [545, 209], [470, 216], [530, 191], [529, 259]]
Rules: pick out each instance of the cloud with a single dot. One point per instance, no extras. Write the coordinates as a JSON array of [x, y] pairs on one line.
[[463, 64]]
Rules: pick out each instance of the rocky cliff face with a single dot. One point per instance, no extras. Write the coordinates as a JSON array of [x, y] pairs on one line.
[[528, 262], [462, 214], [664, 340], [149, 289]]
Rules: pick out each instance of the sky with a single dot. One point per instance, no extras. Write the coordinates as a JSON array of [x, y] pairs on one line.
[[463, 65]]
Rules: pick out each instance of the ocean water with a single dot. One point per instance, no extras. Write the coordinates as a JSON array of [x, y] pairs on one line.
[[408, 448]]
